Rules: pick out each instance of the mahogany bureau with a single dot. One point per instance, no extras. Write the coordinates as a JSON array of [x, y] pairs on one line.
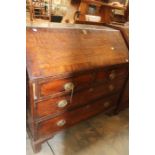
[[73, 73]]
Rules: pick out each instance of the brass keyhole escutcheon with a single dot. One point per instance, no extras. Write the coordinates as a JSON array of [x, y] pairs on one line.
[[35, 30], [84, 32]]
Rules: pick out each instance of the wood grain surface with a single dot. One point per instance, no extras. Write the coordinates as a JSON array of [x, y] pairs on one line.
[[51, 51]]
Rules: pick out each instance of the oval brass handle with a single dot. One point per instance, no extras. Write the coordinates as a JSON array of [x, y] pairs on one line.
[[61, 123], [111, 87], [62, 103], [106, 104], [69, 86], [112, 75]]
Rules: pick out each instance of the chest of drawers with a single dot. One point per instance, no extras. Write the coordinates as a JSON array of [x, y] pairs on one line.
[[73, 73]]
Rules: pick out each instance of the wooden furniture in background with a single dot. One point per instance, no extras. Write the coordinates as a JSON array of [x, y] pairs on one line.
[[102, 9], [73, 73], [47, 9], [38, 9], [121, 16]]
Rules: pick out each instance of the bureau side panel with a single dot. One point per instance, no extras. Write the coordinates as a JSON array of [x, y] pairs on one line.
[[30, 110]]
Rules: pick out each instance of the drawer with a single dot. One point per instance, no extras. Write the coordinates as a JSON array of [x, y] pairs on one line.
[[58, 86], [59, 104], [111, 74], [69, 118]]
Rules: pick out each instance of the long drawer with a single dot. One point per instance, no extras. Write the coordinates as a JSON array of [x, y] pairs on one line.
[[71, 117], [60, 86], [58, 104]]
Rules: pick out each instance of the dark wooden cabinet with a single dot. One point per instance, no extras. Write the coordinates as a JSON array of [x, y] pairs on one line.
[[73, 73], [99, 8]]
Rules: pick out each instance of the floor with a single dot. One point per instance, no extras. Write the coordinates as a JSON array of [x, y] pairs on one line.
[[100, 135]]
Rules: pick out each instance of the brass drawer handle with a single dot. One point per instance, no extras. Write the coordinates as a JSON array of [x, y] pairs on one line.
[[111, 87], [61, 123], [62, 103], [69, 86], [106, 104], [112, 75]]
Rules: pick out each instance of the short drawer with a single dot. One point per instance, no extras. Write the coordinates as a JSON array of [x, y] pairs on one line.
[[58, 86], [111, 74], [69, 118], [59, 104]]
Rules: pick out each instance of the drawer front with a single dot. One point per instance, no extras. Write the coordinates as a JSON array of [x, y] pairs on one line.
[[60, 86], [59, 104], [65, 85], [111, 74], [69, 118]]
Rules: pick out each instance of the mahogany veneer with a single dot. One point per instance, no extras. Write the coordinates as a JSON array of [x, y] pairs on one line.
[[73, 73]]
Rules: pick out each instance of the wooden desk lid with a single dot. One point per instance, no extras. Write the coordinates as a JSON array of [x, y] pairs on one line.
[[123, 28], [55, 51]]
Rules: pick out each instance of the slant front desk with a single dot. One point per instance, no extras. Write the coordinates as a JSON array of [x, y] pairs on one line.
[[73, 73]]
